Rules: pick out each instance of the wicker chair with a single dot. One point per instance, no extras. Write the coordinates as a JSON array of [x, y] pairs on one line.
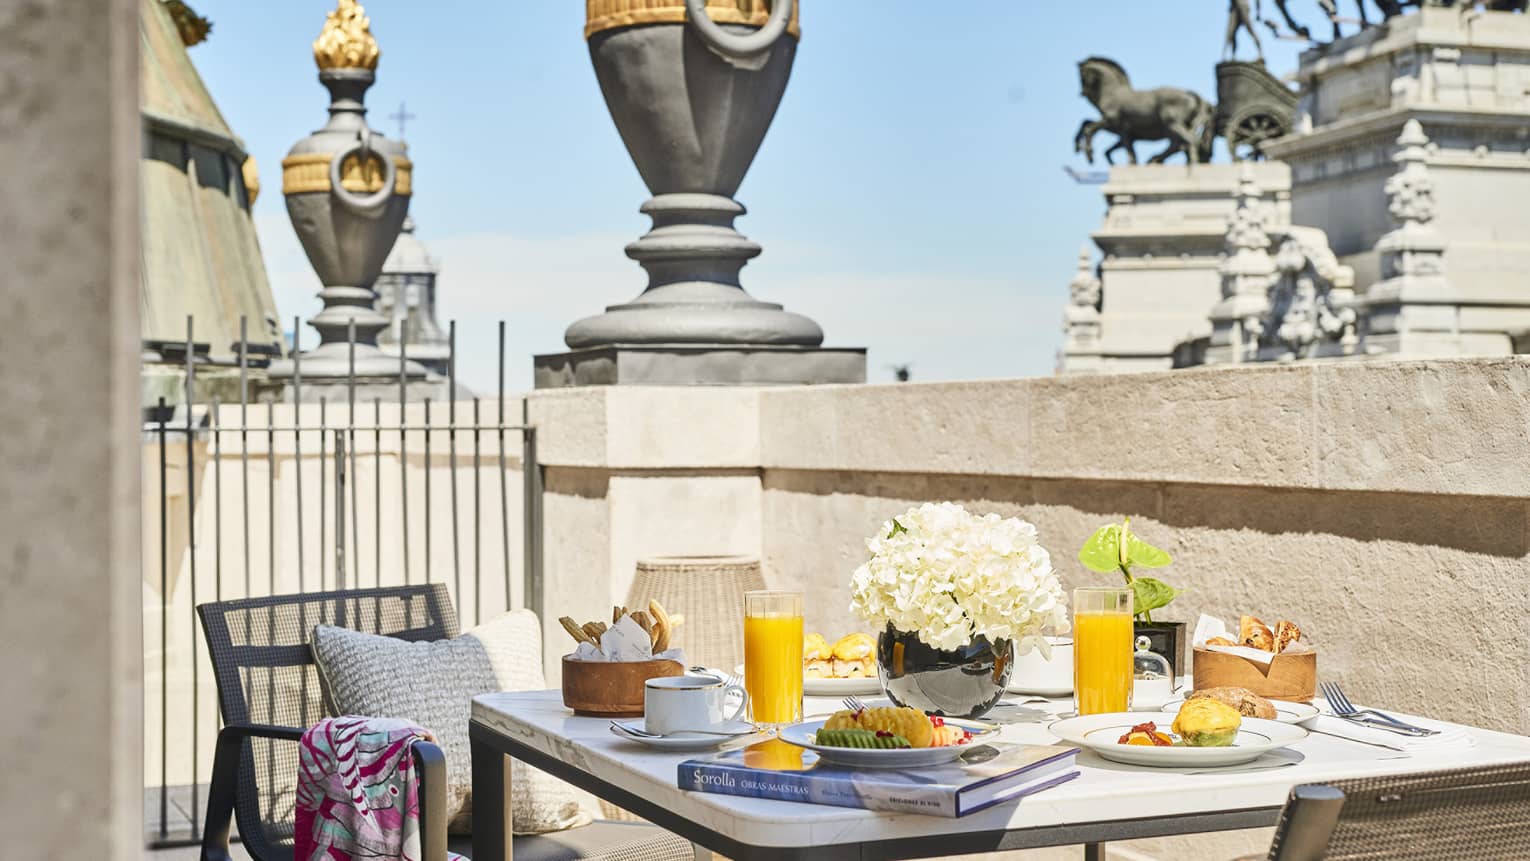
[[268, 690], [1467, 814]]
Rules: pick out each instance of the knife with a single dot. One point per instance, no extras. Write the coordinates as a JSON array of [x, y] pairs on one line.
[[1357, 741]]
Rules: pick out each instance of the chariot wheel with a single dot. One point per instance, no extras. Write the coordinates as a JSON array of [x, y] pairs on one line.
[[1248, 130]]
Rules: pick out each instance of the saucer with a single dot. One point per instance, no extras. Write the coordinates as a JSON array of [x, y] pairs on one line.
[[684, 740]]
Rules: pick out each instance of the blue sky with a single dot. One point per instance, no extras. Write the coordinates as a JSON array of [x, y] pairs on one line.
[[909, 197]]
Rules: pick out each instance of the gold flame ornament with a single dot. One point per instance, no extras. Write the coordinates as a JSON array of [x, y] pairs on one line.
[[346, 41], [610, 14]]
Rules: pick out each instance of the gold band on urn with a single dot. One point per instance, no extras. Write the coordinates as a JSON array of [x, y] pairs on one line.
[[346, 41], [611, 14], [310, 172]]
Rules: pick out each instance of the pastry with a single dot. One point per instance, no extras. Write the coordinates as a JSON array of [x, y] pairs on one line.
[[816, 657], [1221, 641], [1248, 703], [1286, 633], [1206, 722], [911, 724], [854, 657], [1254, 633]]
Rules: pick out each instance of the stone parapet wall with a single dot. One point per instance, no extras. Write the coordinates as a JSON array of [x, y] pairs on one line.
[[1372, 502], [1385, 506]]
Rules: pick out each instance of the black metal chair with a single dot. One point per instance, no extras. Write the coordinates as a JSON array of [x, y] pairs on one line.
[[268, 691], [1466, 814]]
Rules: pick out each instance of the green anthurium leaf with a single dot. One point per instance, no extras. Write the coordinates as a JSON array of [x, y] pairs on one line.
[[1148, 594], [1140, 554], [896, 528], [1102, 551]]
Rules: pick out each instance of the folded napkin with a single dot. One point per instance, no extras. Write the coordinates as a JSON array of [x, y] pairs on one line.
[[1450, 738], [357, 793]]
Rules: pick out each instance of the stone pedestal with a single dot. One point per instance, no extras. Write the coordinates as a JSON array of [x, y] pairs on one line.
[[700, 364], [1463, 77], [1163, 241]]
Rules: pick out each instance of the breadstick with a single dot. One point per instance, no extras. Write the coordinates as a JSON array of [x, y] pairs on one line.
[[661, 625], [616, 613], [643, 622], [575, 631], [595, 629]]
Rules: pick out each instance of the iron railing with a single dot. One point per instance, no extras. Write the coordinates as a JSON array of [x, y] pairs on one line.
[[313, 539]]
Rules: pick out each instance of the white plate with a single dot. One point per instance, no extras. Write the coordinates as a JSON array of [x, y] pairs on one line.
[[836, 687], [1300, 714], [1100, 733], [801, 734], [841, 687], [684, 740]]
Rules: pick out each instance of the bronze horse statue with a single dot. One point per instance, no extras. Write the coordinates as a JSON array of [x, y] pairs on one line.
[[1183, 118]]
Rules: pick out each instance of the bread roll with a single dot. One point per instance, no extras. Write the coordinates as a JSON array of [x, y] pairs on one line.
[[1248, 703]]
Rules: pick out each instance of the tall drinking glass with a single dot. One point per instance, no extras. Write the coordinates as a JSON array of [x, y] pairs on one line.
[[1102, 650], [773, 657]]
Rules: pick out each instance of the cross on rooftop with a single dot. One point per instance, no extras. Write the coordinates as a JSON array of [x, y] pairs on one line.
[[402, 117]]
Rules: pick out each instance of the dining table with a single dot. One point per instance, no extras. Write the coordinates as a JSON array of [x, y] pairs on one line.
[[1107, 802]]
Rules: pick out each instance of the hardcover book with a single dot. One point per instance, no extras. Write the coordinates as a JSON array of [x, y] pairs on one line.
[[987, 775]]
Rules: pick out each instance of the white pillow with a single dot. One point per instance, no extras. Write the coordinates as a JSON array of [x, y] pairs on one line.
[[433, 684]]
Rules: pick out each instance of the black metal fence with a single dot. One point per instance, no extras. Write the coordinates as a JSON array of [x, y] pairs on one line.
[[275, 500]]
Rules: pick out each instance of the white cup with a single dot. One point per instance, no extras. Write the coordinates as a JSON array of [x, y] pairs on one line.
[[1036, 674], [680, 703]]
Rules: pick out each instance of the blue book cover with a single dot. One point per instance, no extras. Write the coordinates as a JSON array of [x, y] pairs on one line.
[[986, 775]]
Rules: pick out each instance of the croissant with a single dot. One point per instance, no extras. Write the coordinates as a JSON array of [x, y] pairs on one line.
[[1286, 633], [1252, 632]]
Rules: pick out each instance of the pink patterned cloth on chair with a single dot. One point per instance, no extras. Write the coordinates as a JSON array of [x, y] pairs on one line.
[[358, 794]]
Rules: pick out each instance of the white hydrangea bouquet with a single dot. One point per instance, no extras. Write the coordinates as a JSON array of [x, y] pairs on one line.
[[950, 577]]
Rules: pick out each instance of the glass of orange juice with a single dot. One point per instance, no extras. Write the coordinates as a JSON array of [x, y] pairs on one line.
[[1102, 650], [773, 657]]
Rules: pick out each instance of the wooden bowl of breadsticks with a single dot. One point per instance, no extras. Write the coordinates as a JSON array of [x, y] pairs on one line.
[[597, 684]]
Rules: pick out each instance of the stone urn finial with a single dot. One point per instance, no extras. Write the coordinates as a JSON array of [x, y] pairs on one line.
[[693, 86], [347, 189]]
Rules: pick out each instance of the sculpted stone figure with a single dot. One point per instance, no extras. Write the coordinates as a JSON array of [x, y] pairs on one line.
[[1240, 17], [1183, 118]]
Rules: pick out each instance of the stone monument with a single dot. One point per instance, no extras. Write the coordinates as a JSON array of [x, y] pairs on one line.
[[347, 189], [1462, 77], [693, 86], [1163, 242]]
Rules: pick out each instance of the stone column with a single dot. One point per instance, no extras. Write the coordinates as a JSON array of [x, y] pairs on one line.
[[1246, 277], [69, 454], [1081, 319], [1414, 310]]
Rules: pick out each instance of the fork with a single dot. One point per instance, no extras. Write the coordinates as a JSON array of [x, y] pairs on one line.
[[1343, 708], [853, 703]]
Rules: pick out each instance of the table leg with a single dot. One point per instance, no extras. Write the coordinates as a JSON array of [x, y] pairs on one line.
[[1092, 851], [491, 803]]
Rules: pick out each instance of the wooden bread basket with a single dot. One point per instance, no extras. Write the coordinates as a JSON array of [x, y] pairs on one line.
[[1287, 677], [611, 688]]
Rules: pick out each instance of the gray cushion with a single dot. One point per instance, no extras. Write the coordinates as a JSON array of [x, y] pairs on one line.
[[433, 684]]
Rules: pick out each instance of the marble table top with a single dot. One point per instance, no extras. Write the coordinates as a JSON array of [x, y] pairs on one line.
[[1104, 792]]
